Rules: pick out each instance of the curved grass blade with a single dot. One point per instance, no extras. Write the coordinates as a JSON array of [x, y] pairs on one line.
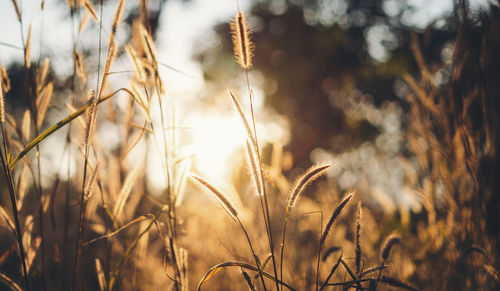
[[49, 131], [334, 268], [126, 255], [138, 219], [351, 273], [263, 267], [220, 266], [9, 283]]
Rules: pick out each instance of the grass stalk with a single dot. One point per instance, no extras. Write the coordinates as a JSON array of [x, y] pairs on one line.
[[263, 197], [12, 194]]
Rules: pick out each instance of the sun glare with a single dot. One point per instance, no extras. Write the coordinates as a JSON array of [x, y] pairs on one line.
[[215, 138]]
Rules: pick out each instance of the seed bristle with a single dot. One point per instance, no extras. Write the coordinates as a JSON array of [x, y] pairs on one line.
[[389, 242], [242, 45], [334, 216], [358, 239], [218, 194], [305, 180]]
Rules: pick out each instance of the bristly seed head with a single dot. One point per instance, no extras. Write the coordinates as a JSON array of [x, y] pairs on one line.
[[389, 242], [303, 181], [243, 47], [334, 216], [218, 194], [357, 244]]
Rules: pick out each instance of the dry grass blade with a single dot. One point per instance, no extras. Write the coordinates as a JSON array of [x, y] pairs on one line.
[[28, 228], [9, 283], [49, 131], [12, 194], [16, 7], [101, 277], [125, 191], [31, 253], [91, 10], [80, 70], [8, 221], [26, 125], [303, 181], [148, 44], [83, 22], [250, 133], [139, 68], [351, 273], [43, 103], [135, 140], [138, 219], [181, 180], [27, 50], [126, 255], [209, 274], [228, 207], [334, 216], [44, 70], [332, 271]]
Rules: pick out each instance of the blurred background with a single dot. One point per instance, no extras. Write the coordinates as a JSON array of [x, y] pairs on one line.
[[327, 78]]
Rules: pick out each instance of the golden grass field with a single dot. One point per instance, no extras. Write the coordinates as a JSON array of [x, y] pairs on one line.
[[99, 227]]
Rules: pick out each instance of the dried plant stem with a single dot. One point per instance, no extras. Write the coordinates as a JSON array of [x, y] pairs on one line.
[[328, 227], [231, 211], [332, 271], [256, 258], [10, 184], [263, 197], [171, 214], [299, 186], [358, 239], [283, 244]]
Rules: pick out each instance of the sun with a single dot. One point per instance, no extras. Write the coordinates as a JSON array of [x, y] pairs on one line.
[[216, 138]]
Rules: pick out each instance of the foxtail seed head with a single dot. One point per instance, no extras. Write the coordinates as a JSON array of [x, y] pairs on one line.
[[242, 45], [389, 242], [334, 216], [303, 181]]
